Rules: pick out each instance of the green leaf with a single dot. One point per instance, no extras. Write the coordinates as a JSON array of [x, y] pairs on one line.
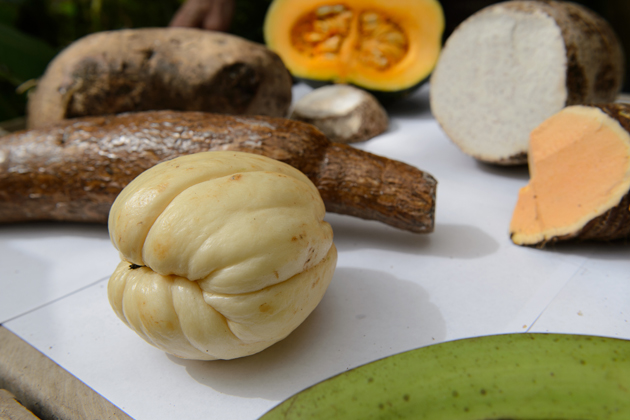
[[22, 57], [9, 11], [12, 105]]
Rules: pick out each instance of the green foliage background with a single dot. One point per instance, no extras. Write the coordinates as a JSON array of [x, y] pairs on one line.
[[32, 32]]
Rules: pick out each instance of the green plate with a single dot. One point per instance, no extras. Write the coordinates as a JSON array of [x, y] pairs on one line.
[[512, 376]]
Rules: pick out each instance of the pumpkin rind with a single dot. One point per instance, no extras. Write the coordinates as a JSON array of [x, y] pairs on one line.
[[384, 46]]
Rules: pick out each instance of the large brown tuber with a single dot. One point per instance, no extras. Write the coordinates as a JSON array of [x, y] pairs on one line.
[[146, 69], [73, 170]]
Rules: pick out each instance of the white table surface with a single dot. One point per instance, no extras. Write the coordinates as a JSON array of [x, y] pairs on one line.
[[392, 291]]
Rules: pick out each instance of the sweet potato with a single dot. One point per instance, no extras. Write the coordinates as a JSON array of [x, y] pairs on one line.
[[161, 68], [580, 178], [74, 170]]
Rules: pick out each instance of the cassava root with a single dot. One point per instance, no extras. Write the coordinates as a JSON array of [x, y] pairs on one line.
[[73, 170]]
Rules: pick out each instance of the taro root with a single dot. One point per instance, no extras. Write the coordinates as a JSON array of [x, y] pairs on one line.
[[74, 170], [161, 68], [223, 254], [345, 114], [579, 164], [510, 66]]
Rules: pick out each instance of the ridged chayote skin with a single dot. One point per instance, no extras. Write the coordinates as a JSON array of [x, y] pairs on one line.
[[223, 254]]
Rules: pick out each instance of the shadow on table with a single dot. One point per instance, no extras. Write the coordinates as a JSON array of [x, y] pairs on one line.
[[28, 230], [364, 316], [446, 241], [618, 250], [518, 172], [416, 107]]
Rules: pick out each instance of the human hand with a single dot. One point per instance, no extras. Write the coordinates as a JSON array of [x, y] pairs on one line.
[[214, 15]]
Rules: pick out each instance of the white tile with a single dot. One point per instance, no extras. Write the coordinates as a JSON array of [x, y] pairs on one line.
[[83, 335], [41, 262], [596, 301]]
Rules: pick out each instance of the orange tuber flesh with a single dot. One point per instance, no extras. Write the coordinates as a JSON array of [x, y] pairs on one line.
[[579, 165]]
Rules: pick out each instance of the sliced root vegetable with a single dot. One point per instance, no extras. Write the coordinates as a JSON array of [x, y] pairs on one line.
[[579, 164], [345, 114], [510, 66]]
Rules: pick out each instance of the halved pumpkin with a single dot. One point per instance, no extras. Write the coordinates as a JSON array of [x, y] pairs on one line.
[[379, 45]]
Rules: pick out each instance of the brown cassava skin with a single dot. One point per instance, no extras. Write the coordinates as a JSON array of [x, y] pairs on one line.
[[615, 223], [161, 68], [73, 170], [595, 59]]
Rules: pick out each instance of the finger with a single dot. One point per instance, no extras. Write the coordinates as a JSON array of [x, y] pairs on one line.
[[191, 14], [220, 15]]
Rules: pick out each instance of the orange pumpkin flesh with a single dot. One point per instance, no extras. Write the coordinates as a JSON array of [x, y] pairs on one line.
[[580, 169], [375, 44]]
